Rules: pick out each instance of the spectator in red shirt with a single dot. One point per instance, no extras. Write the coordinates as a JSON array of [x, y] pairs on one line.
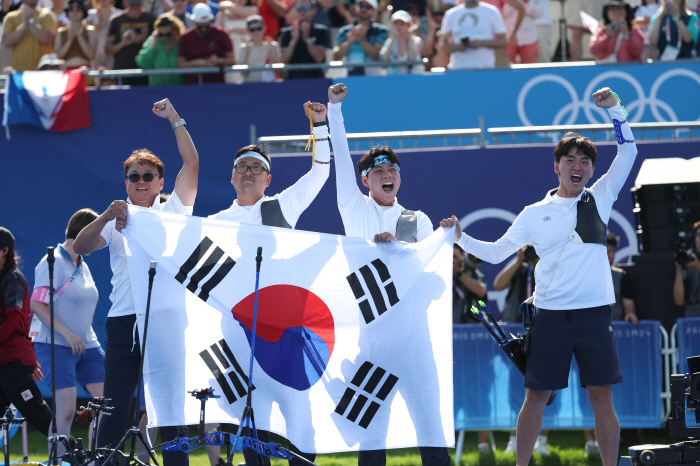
[[205, 45], [616, 40], [272, 11], [19, 368]]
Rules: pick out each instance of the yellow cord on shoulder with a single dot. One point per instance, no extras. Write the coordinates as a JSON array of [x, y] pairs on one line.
[[312, 140]]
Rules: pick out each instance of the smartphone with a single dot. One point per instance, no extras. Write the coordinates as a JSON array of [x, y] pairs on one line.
[[465, 41]]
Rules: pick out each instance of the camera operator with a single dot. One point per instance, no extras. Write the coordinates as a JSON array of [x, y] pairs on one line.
[[519, 278], [468, 286], [686, 288]]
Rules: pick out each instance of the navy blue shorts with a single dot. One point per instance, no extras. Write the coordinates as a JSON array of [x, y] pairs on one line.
[[72, 370], [586, 334]]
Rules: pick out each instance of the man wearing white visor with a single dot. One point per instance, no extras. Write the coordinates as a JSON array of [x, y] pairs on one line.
[[250, 177]]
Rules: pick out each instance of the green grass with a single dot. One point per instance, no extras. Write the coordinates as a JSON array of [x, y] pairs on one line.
[[566, 449]]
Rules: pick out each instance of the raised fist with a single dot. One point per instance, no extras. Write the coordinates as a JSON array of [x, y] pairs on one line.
[[337, 93], [164, 109], [604, 98], [318, 111]]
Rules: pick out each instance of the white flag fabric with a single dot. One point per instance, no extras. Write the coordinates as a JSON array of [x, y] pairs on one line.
[[354, 339]]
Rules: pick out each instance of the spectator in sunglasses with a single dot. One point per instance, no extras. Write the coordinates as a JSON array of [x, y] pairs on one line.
[[259, 51], [77, 42], [160, 50], [232, 17], [305, 41]]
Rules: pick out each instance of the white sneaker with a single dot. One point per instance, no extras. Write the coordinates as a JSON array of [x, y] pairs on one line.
[[541, 445], [592, 448], [511, 445], [484, 448]]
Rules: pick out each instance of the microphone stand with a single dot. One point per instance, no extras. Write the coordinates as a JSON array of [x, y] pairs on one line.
[[134, 433]]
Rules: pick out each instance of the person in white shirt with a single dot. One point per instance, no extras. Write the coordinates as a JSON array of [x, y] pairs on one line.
[[377, 217], [250, 177], [573, 281], [470, 33], [143, 173]]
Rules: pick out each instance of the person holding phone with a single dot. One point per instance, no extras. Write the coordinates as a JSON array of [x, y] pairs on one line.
[[471, 32]]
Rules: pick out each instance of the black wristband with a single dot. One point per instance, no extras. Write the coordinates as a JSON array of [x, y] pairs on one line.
[[322, 139], [325, 163], [319, 123]]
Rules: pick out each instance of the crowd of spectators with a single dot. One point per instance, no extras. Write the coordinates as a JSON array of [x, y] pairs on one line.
[[457, 34]]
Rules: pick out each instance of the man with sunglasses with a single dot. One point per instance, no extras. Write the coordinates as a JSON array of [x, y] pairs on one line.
[[377, 217], [305, 41], [143, 172], [250, 177]]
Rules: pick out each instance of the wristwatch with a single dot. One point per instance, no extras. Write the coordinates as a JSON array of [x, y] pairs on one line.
[[178, 123], [30, 21]]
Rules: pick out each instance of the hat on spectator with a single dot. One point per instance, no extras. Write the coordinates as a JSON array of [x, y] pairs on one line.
[[371, 2], [254, 19], [6, 238], [50, 59], [401, 16], [201, 13], [83, 8]]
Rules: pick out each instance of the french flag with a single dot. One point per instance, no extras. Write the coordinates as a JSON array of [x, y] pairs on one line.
[[54, 100]]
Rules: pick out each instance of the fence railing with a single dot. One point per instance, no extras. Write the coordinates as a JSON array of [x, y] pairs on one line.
[[489, 136]]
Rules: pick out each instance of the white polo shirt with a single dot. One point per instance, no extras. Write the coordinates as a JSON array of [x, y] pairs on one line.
[[571, 274], [75, 306], [121, 297], [293, 200], [362, 216]]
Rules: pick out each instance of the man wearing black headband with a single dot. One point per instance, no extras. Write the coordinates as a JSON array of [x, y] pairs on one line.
[[377, 217]]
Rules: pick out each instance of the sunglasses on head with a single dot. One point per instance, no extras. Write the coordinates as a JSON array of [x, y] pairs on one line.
[[255, 29], [147, 177]]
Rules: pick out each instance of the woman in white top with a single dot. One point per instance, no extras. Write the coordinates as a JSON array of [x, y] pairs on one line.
[[79, 358], [402, 45]]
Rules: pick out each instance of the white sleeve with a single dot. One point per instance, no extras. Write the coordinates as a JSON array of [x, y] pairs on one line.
[[108, 231], [498, 26], [346, 184], [174, 204], [610, 184], [425, 226], [493, 253], [295, 199], [447, 23]]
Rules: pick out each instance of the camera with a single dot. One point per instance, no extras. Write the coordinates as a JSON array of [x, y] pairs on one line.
[[530, 253], [614, 27], [465, 41], [683, 257]]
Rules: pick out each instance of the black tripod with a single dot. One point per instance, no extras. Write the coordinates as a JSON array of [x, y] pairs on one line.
[[117, 457], [54, 438], [6, 422]]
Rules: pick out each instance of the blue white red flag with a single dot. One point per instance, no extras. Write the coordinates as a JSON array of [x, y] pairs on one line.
[[353, 346], [54, 100]]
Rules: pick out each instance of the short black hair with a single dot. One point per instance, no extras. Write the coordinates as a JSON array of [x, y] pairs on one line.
[[582, 144], [253, 148], [612, 239], [368, 160]]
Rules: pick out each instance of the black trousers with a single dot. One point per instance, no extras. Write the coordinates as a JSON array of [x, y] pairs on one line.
[[121, 378], [252, 458], [431, 456], [18, 388]]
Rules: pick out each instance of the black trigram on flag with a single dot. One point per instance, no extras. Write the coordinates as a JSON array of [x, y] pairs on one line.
[[375, 292], [361, 399], [238, 378], [209, 264]]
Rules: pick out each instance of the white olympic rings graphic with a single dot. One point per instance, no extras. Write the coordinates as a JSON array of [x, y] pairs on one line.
[[635, 108]]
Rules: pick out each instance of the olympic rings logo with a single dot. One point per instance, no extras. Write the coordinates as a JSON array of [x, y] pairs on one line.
[[635, 108]]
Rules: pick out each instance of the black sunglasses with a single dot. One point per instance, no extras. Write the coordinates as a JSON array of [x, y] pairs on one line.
[[165, 34], [254, 29], [147, 177]]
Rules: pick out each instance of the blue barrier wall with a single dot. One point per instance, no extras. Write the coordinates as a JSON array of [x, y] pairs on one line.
[[688, 341], [489, 390]]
